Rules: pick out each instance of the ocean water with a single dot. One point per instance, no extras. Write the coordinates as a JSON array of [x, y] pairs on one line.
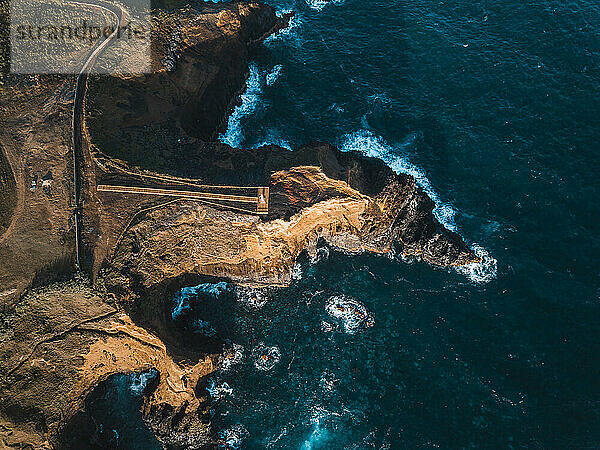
[[495, 108]]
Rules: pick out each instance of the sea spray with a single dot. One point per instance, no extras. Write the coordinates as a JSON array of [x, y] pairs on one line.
[[250, 101], [482, 272], [181, 300], [252, 297], [366, 142], [290, 34], [139, 381], [217, 390], [232, 357], [233, 437], [351, 315], [273, 75], [266, 357]]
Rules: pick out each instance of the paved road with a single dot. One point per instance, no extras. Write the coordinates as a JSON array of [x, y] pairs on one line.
[[78, 107]]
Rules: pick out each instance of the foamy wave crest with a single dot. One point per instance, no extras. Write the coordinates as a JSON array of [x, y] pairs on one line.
[[273, 138], [233, 437], [318, 5], [250, 99], [481, 272], [232, 357], [139, 381], [265, 357], [297, 272], [350, 313], [218, 390], [273, 75], [289, 33], [369, 144], [181, 301]]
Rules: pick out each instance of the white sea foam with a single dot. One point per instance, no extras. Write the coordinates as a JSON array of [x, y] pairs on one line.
[[369, 144], [233, 437], [322, 254], [181, 301], [318, 434], [273, 137], [232, 357], [319, 5], [297, 272], [273, 75], [481, 272], [250, 99], [350, 313], [255, 298], [266, 357], [289, 33], [139, 381], [218, 390], [329, 381]]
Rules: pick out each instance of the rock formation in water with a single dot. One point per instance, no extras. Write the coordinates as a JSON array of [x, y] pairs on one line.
[[60, 341]]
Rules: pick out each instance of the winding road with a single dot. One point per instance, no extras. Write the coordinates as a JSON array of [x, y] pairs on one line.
[[78, 107], [260, 200]]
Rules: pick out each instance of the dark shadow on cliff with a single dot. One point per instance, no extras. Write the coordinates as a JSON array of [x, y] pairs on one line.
[[8, 192]]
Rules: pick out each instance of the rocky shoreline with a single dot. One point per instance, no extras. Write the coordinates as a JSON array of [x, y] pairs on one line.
[[60, 341]]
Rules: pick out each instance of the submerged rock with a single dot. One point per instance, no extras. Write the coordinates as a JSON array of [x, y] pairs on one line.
[[266, 357], [349, 313]]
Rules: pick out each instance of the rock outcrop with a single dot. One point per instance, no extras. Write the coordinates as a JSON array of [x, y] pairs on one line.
[[307, 205], [58, 343], [62, 341]]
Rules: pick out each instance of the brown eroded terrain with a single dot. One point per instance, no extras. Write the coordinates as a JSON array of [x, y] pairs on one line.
[[36, 240], [155, 131], [65, 339]]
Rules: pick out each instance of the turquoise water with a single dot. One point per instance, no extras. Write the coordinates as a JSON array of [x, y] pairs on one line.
[[494, 107]]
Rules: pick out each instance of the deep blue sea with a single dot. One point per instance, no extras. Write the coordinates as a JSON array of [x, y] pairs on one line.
[[495, 107]]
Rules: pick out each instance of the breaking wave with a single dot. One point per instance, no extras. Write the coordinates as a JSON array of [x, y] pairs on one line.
[[250, 99], [232, 357], [289, 33], [232, 438], [265, 357], [139, 381], [273, 75], [218, 390], [319, 5], [481, 272], [181, 300], [352, 315], [273, 137], [369, 144]]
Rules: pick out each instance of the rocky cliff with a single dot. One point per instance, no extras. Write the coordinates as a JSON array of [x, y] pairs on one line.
[[59, 342]]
